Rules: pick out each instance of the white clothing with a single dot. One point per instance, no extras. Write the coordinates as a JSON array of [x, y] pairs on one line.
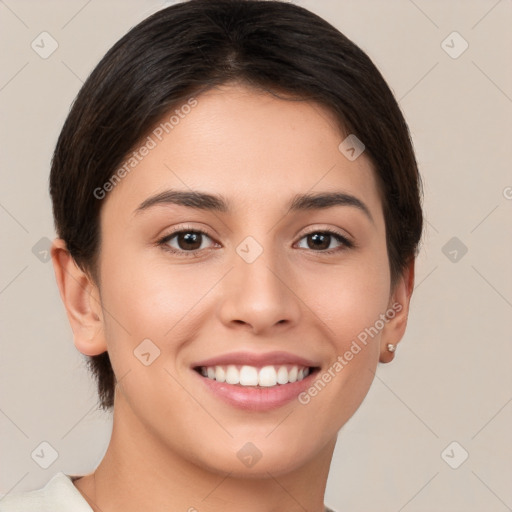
[[58, 495]]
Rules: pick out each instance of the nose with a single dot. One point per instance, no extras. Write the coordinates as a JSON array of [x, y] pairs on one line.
[[259, 296]]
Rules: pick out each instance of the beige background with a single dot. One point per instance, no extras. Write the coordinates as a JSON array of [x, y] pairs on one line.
[[451, 379]]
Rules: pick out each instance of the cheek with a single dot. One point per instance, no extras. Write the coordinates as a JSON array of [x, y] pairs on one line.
[[153, 299], [349, 298], [353, 300], [146, 301]]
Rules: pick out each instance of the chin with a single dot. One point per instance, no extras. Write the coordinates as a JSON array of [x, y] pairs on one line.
[[259, 457]]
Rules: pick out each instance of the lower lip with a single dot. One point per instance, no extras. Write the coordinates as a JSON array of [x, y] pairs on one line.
[[257, 398]]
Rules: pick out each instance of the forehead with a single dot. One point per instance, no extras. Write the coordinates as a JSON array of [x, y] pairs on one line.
[[255, 149]]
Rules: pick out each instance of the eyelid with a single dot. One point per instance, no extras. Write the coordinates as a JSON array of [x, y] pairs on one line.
[[183, 229], [328, 229]]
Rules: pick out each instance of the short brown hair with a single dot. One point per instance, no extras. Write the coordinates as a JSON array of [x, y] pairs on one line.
[[193, 46]]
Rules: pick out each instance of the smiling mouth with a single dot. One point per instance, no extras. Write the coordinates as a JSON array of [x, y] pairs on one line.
[[259, 377]]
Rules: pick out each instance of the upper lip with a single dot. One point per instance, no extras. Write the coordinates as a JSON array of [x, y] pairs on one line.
[[257, 359]]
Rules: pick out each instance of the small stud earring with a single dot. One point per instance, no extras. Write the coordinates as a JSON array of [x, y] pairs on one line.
[[391, 347]]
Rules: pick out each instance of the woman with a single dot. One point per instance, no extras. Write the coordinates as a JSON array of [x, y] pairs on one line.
[[238, 212]]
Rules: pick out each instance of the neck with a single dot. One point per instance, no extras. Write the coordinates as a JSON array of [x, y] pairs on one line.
[[138, 473]]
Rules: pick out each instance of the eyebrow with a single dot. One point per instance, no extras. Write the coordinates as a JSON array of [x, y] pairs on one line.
[[210, 202]]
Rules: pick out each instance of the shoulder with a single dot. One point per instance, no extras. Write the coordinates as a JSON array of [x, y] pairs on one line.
[[58, 495]]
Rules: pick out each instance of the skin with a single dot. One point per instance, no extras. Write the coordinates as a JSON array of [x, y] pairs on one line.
[[173, 442]]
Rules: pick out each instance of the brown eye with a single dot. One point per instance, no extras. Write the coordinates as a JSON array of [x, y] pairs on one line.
[[189, 240], [185, 241], [320, 241]]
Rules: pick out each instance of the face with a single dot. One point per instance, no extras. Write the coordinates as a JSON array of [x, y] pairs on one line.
[[248, 286]]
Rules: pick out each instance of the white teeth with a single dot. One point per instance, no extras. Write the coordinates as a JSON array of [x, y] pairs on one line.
[[248, 376], [268, 376], [220, 374], [282, 375], [232, 375]]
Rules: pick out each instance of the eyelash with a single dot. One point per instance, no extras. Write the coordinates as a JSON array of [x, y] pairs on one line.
[[163, 242]]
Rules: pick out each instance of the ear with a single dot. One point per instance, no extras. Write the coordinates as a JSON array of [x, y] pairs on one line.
[[398, 312], [82, 301]]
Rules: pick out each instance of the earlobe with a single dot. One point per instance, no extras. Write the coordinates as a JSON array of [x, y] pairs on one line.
[[81, 300], [398, 313]]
